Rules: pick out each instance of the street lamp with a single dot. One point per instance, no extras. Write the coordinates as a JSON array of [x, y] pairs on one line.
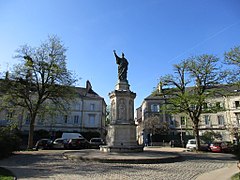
[[181, 135]]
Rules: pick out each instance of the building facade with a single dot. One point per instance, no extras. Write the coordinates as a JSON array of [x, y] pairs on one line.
[[87, 113], [221, 115]]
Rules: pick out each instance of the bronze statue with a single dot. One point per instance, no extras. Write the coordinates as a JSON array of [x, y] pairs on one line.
[[122, 66]]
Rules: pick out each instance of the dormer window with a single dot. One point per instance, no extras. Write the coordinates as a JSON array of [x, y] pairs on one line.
[[155, 108]]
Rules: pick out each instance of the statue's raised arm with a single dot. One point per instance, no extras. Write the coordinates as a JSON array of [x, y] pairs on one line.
[[122, 66]]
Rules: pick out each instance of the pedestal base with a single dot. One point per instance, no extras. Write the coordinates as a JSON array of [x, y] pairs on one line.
[[136, 148], [122, 86], [121, 138]]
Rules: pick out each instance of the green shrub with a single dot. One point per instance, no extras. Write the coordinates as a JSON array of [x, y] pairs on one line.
[[237, 151], [9, 141], [236, 176], [5, 174]]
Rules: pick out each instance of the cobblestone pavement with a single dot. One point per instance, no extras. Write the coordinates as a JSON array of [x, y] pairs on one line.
[[51, 165]]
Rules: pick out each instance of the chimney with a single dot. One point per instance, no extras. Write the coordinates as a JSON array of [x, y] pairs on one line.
[[7, 76], [160, 87]]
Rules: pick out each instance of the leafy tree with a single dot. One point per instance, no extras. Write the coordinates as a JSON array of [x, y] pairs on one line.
[[210, 136], [40, 81], [233, 58], [199, 72]]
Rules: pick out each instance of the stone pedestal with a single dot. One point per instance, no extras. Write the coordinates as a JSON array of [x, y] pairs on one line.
[[121, 135]]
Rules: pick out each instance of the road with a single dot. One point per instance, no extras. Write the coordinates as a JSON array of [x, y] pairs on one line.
[[50, 164]]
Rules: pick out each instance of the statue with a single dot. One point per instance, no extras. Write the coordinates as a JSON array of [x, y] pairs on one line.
[[122, 66]]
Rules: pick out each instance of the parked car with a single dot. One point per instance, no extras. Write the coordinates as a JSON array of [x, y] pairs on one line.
[[221, 147], [44, 144], [59, 143], [177, 143], [77, 143], [67, 135], [191, 145], [96, 142]]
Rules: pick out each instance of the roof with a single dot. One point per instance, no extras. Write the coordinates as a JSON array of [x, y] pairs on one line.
[[84, 92], [217, 90]]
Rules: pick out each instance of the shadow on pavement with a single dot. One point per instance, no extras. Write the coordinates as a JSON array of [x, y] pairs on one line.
[[47, 164]]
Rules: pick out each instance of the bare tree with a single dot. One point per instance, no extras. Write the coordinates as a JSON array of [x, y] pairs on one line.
[[155, 125], [188, 87], [41, 78]]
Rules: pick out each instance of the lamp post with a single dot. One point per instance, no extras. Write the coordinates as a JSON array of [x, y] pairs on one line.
[[181, 135]]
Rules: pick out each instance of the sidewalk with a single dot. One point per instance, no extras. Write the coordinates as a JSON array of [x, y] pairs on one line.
[[220, 174]]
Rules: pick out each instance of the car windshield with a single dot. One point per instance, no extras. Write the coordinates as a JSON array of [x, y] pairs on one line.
[[192, 142], [59, 141], [77, 140], [216, 144]]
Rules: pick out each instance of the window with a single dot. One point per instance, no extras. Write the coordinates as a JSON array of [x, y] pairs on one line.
[[155, 108], [183, 121], [237, 104], [220, 120], [41, 120], [91, 120], [218, 104], [76, 119], [238, 118], [171, 120], [65, 118], [77, 107], [207, 120], [205, 105], [27, 121], [9, 116], [92, 107]]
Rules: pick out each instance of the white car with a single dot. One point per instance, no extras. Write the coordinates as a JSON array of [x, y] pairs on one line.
[[191, 144]]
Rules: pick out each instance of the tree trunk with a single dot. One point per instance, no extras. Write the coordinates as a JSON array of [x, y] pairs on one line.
[[31, 131], [30, 136], [197, 138]]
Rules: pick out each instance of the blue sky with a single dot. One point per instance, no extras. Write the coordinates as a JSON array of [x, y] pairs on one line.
[[153, 34]]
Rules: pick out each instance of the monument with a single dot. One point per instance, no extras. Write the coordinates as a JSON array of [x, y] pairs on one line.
[[121, 136]]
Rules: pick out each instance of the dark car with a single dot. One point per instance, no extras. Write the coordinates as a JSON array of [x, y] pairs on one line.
[[59, 143], [77, 143], [96, 142], [44, 144]]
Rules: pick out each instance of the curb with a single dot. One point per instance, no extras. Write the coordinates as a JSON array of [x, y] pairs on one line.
[[147, 157], [224, 173]]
